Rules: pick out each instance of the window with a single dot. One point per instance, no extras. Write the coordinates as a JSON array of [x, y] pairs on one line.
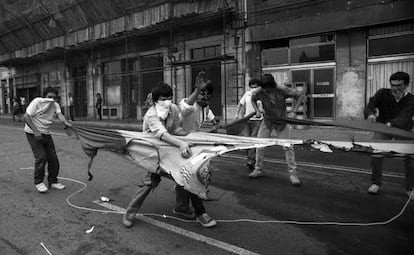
[[206, 52], [298, 50], [400, 44], [277, 56], [313, 54]]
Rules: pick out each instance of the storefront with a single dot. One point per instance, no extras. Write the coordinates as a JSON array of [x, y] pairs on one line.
[[308, 63]]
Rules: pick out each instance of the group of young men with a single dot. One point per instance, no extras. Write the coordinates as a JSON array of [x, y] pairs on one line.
[[392, 106], [266, 99]]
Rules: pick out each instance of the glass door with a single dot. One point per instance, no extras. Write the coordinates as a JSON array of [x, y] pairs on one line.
[[323, 95], [320, 90]]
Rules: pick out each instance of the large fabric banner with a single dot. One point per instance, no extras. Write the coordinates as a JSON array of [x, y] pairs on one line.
[[156, 156]]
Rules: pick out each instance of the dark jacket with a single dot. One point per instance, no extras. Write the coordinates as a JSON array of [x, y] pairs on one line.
[[399, 114]]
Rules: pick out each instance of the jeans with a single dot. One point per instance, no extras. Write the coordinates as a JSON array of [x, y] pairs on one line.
[[264, 132], [99, 112], [183, 201], [377, 162], [44, 152], [71, 112], [141, 194], [250, 130]]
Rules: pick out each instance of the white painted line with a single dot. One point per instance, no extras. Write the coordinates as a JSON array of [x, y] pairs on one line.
[[27, 168], [183, 232], [316, 165]]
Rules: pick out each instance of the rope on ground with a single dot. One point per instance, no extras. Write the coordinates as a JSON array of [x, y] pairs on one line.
[[239, 220]]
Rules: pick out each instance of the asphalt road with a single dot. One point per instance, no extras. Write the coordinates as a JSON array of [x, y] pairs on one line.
[[277, 211]]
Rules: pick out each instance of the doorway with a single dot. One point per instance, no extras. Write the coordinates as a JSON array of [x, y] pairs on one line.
[[319, 83], [80, 99]]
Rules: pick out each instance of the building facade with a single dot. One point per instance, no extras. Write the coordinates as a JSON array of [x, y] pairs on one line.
[[339, 52], [122, 50]]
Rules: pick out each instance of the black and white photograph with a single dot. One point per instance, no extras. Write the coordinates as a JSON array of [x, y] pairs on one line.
[[199, 127]]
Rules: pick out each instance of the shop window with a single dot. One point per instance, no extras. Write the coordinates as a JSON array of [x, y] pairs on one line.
[[400, 44], [320, 48], [206, 52], [328, 38], [313, 54], [276, 56]]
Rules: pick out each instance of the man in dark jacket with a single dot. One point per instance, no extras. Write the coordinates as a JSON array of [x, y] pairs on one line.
[[395, 108]]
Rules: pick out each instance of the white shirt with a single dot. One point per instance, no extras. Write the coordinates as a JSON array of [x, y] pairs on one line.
[[193, 116], [246, 101], [42, 111]]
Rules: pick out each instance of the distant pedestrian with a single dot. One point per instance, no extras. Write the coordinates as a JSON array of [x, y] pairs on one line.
[[273, 98], [70, 103], [245, 108], [395, 109], [98, 105], [23, 104], [17, 110], [39, 117]]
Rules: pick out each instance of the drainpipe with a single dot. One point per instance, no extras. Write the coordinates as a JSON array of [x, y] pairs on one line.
[[224, 61]]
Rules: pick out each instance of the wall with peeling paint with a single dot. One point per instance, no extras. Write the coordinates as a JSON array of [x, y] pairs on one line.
[[350, 74]]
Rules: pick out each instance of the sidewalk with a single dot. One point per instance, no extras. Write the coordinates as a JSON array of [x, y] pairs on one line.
[[319, 133]]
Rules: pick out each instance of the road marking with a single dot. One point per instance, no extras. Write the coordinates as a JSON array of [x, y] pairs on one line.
[[181, 231], [330, 167]]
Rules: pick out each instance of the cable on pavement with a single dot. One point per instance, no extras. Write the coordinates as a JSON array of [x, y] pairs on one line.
[[238, 220]]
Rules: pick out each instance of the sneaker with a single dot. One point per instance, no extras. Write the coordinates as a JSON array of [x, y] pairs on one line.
[[373, 189], [250, 165], [294, 179], [41, 187], [256, 174], [206, 221], [57, 186], [410, 194], [186, 214], [128, 220]]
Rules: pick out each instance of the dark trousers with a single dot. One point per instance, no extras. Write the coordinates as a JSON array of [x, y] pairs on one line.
[[99, 112], [44, 152], [183, 198], [377, 162], [71, 112]]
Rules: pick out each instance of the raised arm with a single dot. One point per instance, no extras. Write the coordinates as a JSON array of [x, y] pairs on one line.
[[200, 84]]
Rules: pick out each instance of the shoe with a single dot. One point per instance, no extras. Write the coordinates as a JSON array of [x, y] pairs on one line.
[[57, 186], [41, 187], [206, 221], [128, 220], [256, 174], [186, 214], [410, 194], [294, 179], [250, 166], [373, 189]]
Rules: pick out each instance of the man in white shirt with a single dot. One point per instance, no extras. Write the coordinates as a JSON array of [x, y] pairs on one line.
[[39, 117], [194, 111], [245, 108]]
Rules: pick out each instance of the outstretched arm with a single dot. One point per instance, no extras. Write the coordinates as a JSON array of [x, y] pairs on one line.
[[62, 119]]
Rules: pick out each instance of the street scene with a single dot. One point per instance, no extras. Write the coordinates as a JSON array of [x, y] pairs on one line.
[[273, 213], [206, 127]]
